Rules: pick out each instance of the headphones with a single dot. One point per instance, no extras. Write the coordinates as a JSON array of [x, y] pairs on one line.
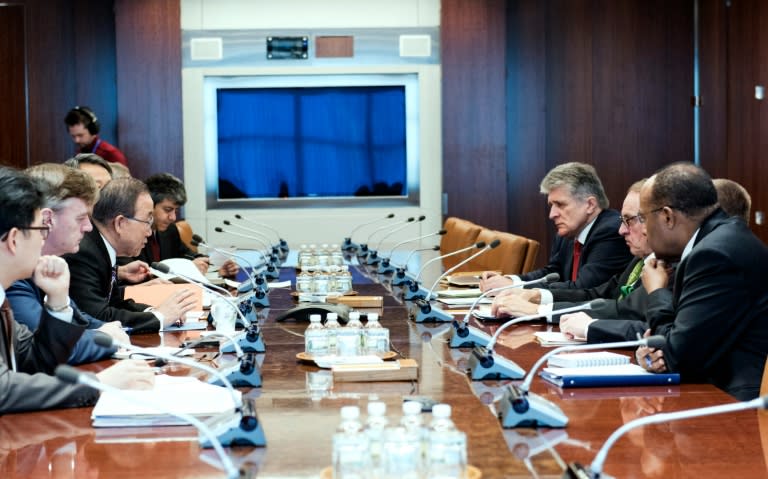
[[92, 125]]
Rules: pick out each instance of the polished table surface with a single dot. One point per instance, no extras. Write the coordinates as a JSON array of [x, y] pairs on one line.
[[299, 423]]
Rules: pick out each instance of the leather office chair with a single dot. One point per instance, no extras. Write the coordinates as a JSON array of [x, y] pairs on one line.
[[185, 232], [530, 255], [509, 257], [459, 234]]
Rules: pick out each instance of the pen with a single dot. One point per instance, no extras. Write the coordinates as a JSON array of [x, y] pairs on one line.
[[648, 361], [127, 329]]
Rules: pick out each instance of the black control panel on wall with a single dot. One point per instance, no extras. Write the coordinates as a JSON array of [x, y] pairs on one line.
[[287, 48]]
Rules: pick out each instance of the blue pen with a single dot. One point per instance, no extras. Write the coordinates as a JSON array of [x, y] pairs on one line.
[[648, 361], [127, 329]]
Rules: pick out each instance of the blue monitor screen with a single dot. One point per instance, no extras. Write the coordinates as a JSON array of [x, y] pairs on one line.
[[304, 142]]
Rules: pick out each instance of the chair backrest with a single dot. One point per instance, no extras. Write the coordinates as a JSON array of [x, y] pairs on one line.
[[530, 255], [185, 232], [459, 234], [509, 257]]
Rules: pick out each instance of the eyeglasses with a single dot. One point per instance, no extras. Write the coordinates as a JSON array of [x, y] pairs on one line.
[[642, 217], [629, 220], [147, 222], [44, 230]]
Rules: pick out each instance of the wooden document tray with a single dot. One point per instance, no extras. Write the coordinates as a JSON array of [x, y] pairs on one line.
[[402, 370]]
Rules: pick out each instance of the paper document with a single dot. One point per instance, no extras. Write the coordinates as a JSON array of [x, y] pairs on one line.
[[459, 293], [549, 338], [183, 394], [150, 352]]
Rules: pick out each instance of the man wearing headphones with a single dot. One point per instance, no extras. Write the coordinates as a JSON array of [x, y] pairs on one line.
[[83, 127]]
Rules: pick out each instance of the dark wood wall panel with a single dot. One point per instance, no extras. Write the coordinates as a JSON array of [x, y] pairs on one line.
[[474, 142], [148, 36], [713, 74], [13, 120], [602, 82]]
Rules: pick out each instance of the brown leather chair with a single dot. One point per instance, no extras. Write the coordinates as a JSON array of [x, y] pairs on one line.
[[459, 234], [530, 255], [185, 232], [509, 257]]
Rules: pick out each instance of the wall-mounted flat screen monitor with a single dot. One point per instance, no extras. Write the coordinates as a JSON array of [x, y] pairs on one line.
[[312, 140]]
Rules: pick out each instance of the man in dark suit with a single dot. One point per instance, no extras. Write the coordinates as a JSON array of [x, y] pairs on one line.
[[28, 359], [716, 330], [168, 195], [588, 249], [621, 316], [122, 220]]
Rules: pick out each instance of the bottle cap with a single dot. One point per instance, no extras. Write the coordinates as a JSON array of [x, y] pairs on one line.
[[441, 410], [314, 318], [373, 316], [411, 408], [377, 408], [350, 412]]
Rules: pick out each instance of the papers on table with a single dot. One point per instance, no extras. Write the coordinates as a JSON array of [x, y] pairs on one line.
[[459, 293], [484, 312], [333, 360], [181, 266], [549, 338], [181, 394], [464, 301], [588, 359]]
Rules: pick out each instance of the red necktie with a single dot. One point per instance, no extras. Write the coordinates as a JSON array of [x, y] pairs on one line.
[[576, 257], [155, 246]]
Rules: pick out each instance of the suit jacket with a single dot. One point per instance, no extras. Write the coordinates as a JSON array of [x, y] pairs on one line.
[[603, 254], [717, 328], [91, 271], [27, 302], [170, 244], [32, 387]]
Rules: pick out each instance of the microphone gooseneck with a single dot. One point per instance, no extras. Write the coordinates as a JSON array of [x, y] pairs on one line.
[[550, 278], [478, 245], [485, 249]]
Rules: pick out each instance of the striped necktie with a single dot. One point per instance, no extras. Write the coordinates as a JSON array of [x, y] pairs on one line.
[[7, 319]]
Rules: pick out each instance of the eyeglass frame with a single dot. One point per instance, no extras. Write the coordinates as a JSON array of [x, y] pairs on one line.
[[628, 221], [45, 231], [149, 222], [642, 217]]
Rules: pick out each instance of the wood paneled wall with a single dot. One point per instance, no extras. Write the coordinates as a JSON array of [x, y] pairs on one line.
[[13, 122], [148, 36], [70, 58]]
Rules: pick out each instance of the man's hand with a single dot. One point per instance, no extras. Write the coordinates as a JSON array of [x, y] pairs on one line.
[[202, 263], [512, 305], [649, 358], [128, 374], [574, 325], [155, 281], [176, 306], [52, 276], [229, 269], [655, 275], [531, 295], [133, 272], [114, 329], [492, 280]]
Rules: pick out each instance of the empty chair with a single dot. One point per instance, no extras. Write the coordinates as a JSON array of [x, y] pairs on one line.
[[509, 257], [185, 233], [459, 234]]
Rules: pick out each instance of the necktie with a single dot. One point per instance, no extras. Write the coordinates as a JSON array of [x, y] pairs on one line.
[[629, 286], [155, 247], [576, 257], [112, 283], [7, 317]]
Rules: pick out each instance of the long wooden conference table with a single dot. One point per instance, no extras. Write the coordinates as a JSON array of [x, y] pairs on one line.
[[299, 423]]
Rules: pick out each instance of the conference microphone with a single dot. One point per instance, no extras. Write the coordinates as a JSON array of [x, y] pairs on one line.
[[72, 375], [414, 291], [363, 251], [386, 267], [422, 309], [260, 238], [595, 470], [520, 407], [400, 276], [351, 247], [381, 241], [250, 339], [257, 281], [271, 271], [465, 336], [484, 364], [369, 254], [199, 241], [281, 242]]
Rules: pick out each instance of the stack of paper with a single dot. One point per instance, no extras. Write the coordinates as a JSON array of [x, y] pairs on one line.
[[549, 338], [179, 394], [586, 360]]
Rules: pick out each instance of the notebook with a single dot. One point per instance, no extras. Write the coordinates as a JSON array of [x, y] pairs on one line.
[[596, 376], [589, 359]]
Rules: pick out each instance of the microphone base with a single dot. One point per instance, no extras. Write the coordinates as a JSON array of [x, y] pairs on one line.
[[539, 411], [247, 345], [373, 259], [423, 312], [389, 269], [410, 295], [577, 471], [275, 274], [399, 279], [260, 302], [500, 368], [466, 336], [237, 377], [238, 429], [349, 246]]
